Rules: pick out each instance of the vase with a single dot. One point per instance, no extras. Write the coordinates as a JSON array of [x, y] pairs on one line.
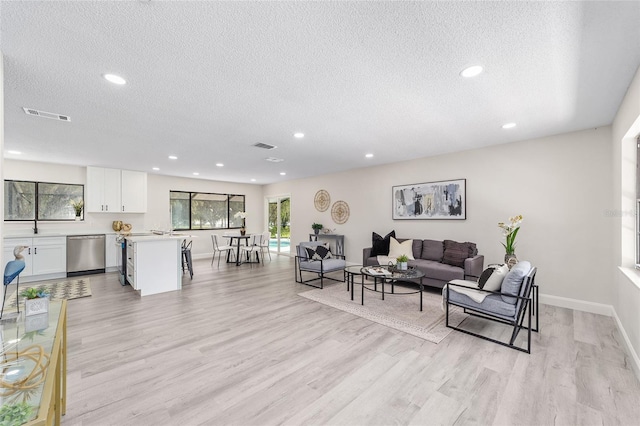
[[402, 266], [510, 259], [77, 218], [316, 231], [243, 231], [39, 305]]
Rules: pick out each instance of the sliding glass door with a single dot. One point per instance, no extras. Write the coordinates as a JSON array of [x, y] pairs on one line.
[[280, 224]]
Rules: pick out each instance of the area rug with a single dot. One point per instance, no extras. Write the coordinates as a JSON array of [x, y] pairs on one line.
[[70, 289], [400, 312]]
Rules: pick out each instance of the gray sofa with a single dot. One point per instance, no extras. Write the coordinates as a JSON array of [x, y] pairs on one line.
[[462, 261]]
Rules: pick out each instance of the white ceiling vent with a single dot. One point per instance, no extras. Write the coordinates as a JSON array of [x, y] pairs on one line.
[[264, 146], [274, 159], [53, 116]]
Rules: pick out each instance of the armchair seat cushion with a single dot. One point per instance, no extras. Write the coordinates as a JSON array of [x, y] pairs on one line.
[[327, 265], [492, 304]]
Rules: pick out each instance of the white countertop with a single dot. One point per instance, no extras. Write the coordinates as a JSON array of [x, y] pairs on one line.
[[143, 238]]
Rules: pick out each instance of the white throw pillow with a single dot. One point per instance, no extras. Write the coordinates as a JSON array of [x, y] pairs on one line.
[[397, 249], [494, 283]]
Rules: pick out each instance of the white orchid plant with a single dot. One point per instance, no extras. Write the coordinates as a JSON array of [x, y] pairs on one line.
[[510, 231]]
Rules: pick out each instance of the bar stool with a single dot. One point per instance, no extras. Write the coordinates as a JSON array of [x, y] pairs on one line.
[[186, 257]]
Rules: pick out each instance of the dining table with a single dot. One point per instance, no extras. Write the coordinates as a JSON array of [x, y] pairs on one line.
[[238, 238]]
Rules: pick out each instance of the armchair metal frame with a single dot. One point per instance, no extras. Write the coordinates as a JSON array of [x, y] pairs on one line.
[[299, 268], [527, 301]]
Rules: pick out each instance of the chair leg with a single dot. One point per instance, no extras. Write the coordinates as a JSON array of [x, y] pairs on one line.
[[4, 297]]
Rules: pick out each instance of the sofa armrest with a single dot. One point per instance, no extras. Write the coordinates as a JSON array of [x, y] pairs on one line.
[[473, 267], [366, 253]]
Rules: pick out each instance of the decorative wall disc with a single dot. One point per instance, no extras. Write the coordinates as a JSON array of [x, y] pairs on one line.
[[340, 212], [322, 200]]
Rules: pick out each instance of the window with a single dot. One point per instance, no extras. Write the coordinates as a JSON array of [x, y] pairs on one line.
[[201, 210], [25, 200]]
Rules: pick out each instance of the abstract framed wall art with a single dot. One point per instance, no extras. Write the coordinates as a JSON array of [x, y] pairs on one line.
[[431, 200]]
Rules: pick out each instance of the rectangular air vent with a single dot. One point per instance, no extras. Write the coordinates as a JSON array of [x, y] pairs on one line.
[[51, 115], [264, 146], [274, 159]]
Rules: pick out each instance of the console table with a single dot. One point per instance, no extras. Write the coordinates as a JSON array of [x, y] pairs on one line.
[[34, 351], [336, 242]]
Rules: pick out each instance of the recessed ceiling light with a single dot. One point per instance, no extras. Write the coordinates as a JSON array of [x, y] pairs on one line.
[[471, 71], [369, 155], [509, 126], [115, 79], [173, 157], [282, 173], [156, 168], [253, 180], [219, 165], [14, 152], [196, 173], [298, 135]]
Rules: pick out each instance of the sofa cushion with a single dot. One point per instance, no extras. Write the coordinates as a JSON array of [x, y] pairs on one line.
[[437, 270], [380, 245], [397, 249], [492, 277], [513, 281], [319, 253], [455, 253], [492, 303], [432, 250]]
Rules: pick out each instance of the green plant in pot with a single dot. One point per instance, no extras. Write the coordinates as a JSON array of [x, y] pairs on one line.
[[37, 301], [77, 207], [316, 228], [402, 262]]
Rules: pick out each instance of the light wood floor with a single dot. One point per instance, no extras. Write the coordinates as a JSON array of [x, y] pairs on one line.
[[237, 346]]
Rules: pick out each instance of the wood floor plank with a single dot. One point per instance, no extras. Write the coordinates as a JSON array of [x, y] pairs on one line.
[[238, 346]]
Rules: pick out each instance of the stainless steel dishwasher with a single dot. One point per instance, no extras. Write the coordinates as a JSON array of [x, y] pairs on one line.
[[85, 254]]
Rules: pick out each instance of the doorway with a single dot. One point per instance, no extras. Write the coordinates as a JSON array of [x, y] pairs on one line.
[[280, 224]]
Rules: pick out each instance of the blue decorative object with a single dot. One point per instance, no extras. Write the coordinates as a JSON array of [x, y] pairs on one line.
[[11, 271]]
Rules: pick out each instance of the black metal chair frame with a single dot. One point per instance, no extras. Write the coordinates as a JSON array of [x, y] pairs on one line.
[[186, 257], [529, 304], [321, 275]]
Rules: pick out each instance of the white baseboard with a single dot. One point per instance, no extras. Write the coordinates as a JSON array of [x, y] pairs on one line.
[[596, 308], [578, 305], [634, 355]]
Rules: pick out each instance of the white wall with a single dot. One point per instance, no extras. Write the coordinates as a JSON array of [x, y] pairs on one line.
[[4, 261], [560, 184], [626, 280], [157, 216]]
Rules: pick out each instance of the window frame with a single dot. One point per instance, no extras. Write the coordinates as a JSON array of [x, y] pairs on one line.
[[37, 201], [192, 194]]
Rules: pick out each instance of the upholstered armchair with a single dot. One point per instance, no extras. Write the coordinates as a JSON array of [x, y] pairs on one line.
[[518, 296], [316, 262]]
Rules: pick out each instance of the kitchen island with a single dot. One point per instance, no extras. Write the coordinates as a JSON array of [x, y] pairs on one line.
[[154, 263]]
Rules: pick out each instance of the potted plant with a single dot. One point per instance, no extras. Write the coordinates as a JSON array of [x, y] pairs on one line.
[[510, 231], [37, 301], [15, 414], [402, 262], [78, 206], [316, 228], [241, 215]]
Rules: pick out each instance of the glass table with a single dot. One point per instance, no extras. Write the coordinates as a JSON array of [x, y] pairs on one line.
[[391, 275], [349, 274], [33, 367]]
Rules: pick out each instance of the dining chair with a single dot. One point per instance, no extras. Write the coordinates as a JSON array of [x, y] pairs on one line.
[[264, 245], [217, 248], [253, 246]]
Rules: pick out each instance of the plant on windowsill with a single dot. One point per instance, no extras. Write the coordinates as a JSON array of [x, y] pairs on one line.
[[316, 228], [37, 301], [402, 262], [78, 206]]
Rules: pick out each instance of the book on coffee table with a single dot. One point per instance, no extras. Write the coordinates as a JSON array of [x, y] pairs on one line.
[[377, 270]]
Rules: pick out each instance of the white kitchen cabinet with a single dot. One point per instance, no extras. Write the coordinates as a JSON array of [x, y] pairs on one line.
[[111, 249], [154, 264], [44, 255], [7, 253], [103, 190], [134, 191]]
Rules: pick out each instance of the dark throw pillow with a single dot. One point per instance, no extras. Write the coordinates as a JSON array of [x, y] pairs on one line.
[[319, 253], [486, 274], [379, 245], [455, 253]]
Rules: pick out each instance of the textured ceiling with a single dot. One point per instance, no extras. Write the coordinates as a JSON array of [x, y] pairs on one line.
[[207, 80]]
